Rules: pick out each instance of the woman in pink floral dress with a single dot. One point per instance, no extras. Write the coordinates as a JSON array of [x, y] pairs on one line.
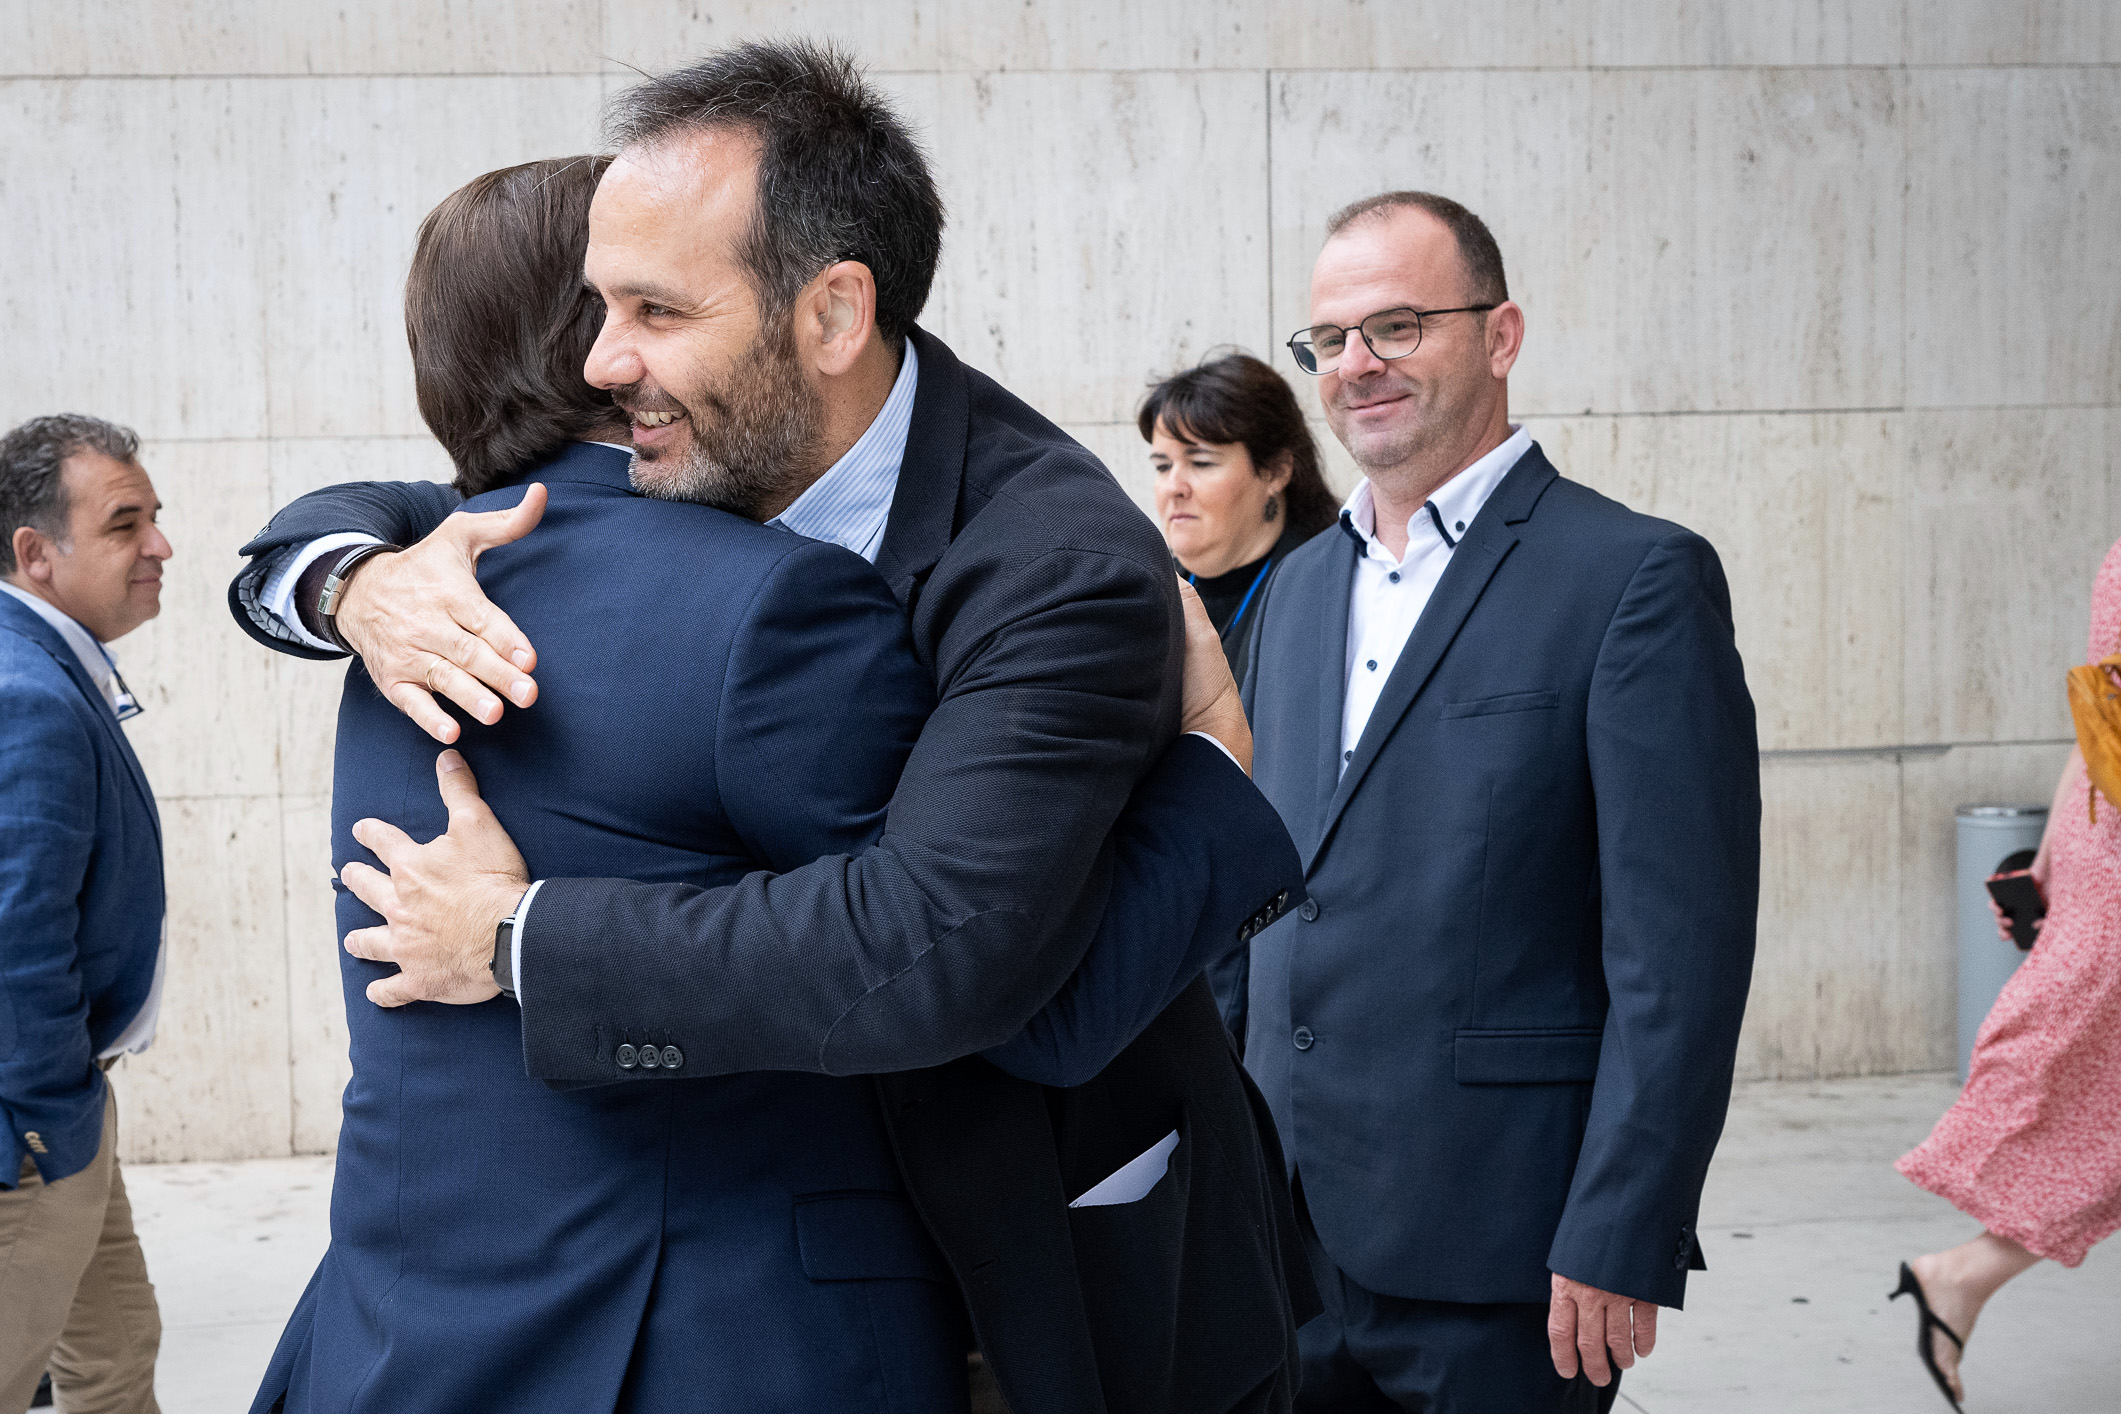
[[2032, 1150]]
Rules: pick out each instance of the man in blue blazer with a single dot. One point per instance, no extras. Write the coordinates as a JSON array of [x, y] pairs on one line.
[[1506, 723], [80, 910]]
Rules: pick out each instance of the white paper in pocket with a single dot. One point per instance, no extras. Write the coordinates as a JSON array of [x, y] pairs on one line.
[[1131, 1182]]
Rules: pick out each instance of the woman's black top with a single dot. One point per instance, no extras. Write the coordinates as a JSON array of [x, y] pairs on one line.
[[1232, 599]]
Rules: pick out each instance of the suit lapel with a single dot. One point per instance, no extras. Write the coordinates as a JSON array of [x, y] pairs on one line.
[[1473, 565], [948, 1123], [1319, 686], [924, 507], [14, 616]]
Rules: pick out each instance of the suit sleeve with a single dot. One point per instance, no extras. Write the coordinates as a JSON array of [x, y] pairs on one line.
[[946, 936], [400, 512], [48, 1079], [1675, 766], [1201, 862]]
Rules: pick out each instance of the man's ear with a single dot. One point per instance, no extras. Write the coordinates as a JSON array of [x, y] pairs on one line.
[[1505, 337], [843, 304], [33, 554]]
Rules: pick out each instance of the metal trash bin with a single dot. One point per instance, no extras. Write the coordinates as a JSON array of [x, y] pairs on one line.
[[1988, 834]]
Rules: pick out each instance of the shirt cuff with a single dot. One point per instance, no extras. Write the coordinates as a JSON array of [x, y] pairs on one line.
[[279, 597], [515, 938], [1204, 736]]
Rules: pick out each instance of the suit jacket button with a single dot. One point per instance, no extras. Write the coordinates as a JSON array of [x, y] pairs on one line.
[[672, 1057], [1309, 912], [627, 1057], [650, 1059], [1303, 1038]]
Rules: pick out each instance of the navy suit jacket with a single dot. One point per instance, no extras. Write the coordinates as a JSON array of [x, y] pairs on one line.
[[1045, 794], [1498, 1040], [80, 897], [716, 698]]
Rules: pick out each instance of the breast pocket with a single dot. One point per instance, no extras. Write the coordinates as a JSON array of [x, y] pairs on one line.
[[1541, 701], [1224, 1335]]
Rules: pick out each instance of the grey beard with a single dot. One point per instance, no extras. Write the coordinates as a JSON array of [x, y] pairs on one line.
[[752, 448], [746, 471]]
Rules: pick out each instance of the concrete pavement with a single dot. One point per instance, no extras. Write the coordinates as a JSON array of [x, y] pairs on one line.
[[1804, 1223]]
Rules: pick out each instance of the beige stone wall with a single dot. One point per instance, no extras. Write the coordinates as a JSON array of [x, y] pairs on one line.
[[1832, 281]]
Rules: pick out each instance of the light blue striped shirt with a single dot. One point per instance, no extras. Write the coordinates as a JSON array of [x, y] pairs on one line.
[[850, 503]]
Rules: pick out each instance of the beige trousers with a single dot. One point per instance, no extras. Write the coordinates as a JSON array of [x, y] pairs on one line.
[[74, 1293]]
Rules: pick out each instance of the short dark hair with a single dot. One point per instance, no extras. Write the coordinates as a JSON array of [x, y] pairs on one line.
[[1476, 244], [841, 176], [32, 471], [1237, 398], [500, 322]]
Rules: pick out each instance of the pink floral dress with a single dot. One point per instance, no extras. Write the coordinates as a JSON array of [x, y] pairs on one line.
[[2032, 1150]]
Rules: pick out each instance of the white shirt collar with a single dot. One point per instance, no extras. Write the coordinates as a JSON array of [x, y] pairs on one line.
[[1457, 502], [850, 504], [96, 660]]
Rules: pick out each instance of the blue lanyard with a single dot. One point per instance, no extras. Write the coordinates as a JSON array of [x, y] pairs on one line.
[[1246, 602]]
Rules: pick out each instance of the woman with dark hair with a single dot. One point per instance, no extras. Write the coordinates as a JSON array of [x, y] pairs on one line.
[[1237, 484], [1237, 488]]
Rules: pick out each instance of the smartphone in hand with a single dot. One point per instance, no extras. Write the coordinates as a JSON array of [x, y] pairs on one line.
[[2022, 903]]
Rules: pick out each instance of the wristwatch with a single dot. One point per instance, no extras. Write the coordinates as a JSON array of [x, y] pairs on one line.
[[335, 585], [504, 951]]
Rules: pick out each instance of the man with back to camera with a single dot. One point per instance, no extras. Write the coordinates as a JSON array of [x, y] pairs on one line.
[[765, 180], [1505, 719], [81, 905]]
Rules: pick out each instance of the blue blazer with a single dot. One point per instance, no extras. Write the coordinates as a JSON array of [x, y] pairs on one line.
[[716, 697], [1498, 1040], [80, 896]]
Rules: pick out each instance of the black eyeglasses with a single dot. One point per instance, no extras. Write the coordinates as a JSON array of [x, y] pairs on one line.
[[1390, 333]]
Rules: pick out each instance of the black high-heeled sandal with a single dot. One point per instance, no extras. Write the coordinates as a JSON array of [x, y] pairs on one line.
[[1910, 1287]]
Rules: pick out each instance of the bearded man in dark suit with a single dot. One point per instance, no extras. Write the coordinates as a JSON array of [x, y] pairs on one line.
[[762, 245]]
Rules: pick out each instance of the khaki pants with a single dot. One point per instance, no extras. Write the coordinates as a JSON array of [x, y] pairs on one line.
[[74, 1293]]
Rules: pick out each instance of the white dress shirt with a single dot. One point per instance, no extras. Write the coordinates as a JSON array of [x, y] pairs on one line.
[[1388, 596], [102, 669]]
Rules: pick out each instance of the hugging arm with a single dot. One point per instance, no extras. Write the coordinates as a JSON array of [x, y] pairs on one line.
[[394, 512], [950, 933], [1200, 863], [947, 935], [452, 644]]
